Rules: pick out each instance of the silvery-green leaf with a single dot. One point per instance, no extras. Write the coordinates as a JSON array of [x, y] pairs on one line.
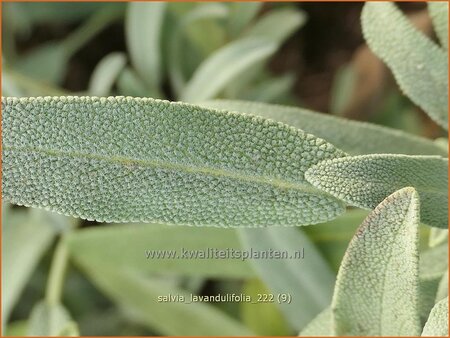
[[321, 326], [224, 65], [378, 277], [51, 320], [351, 136], [143, 33], [437, 236], [442, 290], [286, 21], [241, 14], [110, 247], [271, 89], [144, 160], [364, 181], [129, 84], [437, 324], [143, 296], [106, 73], [25, 237], [308, 280], [418, 64], [439, 15], [175, 54]]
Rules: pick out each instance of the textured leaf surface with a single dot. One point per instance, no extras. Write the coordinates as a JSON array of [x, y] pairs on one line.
[[364, 181], [378, 278], [351, 136], [437, 324], [309, 280], [131, 160], [439, 15], [110, 247], [140, 294], [321, 326], [418, 64]]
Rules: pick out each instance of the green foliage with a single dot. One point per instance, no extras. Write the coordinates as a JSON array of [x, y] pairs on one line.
[[364, 181], [226, 171], [221, 162], [418, 64]]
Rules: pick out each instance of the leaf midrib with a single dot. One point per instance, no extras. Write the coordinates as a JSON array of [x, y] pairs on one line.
[[125, 161]]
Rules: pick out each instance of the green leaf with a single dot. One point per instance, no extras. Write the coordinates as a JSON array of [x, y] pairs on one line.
[[418, 64], [143, 296], [351, 136], [26, 235], [224, 65], [437, 236], [442, 290], [105, 74], [307, 280], [364, 181], [322, 325], [144, 160], [437, 324], [241, 14], [433, 265], [51, 320], [286, 21], [378, 278], [110, 248], [264, 318], [439, 15], [143, 34], [271, 89], [332, 238], [129, 84], [175, 54]]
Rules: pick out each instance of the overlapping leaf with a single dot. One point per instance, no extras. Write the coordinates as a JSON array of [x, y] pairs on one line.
[[145, 160], [378, 278], [418, 64], [437, 324], [351, 136], [364, 181]]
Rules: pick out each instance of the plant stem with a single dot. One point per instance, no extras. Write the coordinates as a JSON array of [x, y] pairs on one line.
[[57, 272]]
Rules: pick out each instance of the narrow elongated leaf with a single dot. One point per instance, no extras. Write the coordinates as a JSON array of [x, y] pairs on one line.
[[144, 160], [322, 325], [160, 249], [418, 64], [378, 278], [439, 15], [241, 14], [286, 21], [351, 136], [364, 181], [224, 65], [437, 324], [144, 297], [106, 73], [51, 320], [143, 31], [308, 280], [176, 55], [437, 236], [25, 237]]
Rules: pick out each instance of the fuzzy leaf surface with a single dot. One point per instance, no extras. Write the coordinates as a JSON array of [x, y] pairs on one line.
[[143, 160], [420, 67], [437, 324], [364, 181], [356, 138], [378, 277]]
